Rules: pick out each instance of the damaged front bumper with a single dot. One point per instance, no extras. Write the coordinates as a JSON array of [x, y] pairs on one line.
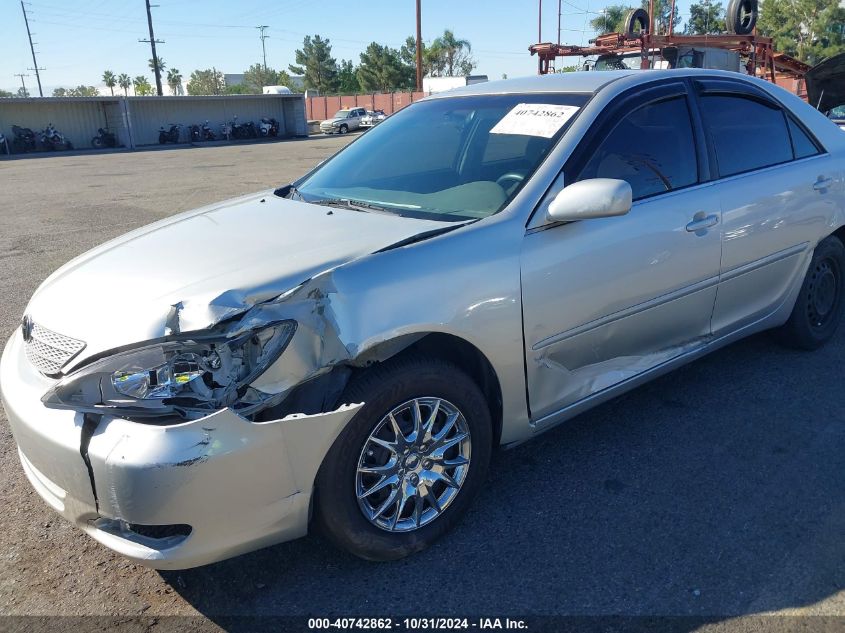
[[169, 497]]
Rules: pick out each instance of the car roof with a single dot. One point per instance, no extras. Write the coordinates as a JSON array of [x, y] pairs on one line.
[[580, 81]]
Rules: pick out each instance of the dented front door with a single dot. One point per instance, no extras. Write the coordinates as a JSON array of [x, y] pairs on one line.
[[606, 299]]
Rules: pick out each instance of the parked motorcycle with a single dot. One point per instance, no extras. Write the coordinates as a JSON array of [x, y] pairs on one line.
[[268, 127], [194, 133], [171, 135], [51, 139], [24, 140], [4, 146], [207, 133], [240, 130], [103, 139]]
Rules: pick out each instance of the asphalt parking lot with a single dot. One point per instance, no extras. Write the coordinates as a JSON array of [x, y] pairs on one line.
[[716, 491]]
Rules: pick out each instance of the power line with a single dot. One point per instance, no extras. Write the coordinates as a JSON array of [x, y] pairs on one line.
[[32, 49]]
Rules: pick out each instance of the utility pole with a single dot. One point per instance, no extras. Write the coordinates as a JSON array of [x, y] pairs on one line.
[[32, 49], [540, 36], [153, 41], [263, 47], [23, 83], [558, 21], [419, 50]]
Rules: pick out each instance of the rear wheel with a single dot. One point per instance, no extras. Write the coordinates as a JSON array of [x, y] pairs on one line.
[[344, 128], [410, 462], [819, 308]]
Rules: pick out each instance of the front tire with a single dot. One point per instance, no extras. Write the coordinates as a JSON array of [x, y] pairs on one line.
[[409, 463], [344, 129], [820, 305]]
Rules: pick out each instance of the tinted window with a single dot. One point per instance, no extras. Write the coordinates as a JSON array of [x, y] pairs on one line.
[[652, 148], [801, 143], [746, 134]]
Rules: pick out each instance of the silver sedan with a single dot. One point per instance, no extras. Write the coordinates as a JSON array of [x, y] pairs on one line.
[[345, 351]]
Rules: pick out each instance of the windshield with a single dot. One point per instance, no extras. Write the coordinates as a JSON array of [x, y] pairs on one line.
[[837, 113], [341, 114], [452, 158]]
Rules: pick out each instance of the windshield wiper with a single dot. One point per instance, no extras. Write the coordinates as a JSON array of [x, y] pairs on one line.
[[355, 205]]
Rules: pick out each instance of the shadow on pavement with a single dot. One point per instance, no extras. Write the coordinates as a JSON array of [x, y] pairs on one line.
[[716, 491]]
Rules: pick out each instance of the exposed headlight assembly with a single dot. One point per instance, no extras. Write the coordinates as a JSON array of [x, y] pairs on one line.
[[186, 375]]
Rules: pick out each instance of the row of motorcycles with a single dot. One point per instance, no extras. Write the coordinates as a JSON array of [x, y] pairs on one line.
[[267, 127], [49, 139]]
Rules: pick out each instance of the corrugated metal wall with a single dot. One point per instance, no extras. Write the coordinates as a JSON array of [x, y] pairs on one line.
[[149, 114], [77, 119], [136, 120]]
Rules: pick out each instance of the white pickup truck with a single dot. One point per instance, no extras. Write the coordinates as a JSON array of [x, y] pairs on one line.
[[343, 121]]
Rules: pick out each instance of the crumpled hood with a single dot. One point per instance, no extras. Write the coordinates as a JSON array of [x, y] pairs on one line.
[[213, 263]]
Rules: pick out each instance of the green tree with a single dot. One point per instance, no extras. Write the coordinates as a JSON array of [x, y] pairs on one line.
[[110, 80], [316, 63], [124, 81], [174, 81], [450, 56], [662, 11], [705, 18], [239, 89], [408, 54], [284, 79], [257, 76], [79, 91], [611, 20], [5, 94], [207, 82], [347, 78], [60, 92], [382, 70], [23, 93], [811, 30], [142, 86]]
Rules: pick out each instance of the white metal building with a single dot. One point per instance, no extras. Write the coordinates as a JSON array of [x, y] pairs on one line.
[[136, 120]]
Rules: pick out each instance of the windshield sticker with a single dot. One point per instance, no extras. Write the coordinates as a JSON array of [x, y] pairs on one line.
[[535, 119]]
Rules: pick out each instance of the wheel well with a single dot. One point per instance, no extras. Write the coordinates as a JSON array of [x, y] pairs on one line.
[[470, 360], [840, 233]]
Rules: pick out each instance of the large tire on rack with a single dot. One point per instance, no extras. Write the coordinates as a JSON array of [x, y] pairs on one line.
[[636, 22], [741, 16]]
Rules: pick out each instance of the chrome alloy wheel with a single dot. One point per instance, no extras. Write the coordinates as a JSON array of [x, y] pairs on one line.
[[413, 464]]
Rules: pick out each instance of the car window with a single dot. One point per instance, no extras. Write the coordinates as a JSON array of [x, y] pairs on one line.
[[652, 148], [802, 145], [747, 134], [432, 158]]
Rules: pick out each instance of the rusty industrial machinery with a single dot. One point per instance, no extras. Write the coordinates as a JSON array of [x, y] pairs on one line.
[[755, 54]]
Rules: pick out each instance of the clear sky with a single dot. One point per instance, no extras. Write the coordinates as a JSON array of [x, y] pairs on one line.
[[79, 39]]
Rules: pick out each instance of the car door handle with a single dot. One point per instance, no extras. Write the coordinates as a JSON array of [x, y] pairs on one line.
[[701, 222], [822, 184]]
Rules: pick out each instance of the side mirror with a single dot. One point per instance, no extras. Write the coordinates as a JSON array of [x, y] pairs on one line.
[[588, 199]]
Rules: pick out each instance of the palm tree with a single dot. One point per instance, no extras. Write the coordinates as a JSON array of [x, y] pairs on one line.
[[611, 19], [142, 86], [124, 81], [161, 64], [455, 52], [174, 80], [110, 80]]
